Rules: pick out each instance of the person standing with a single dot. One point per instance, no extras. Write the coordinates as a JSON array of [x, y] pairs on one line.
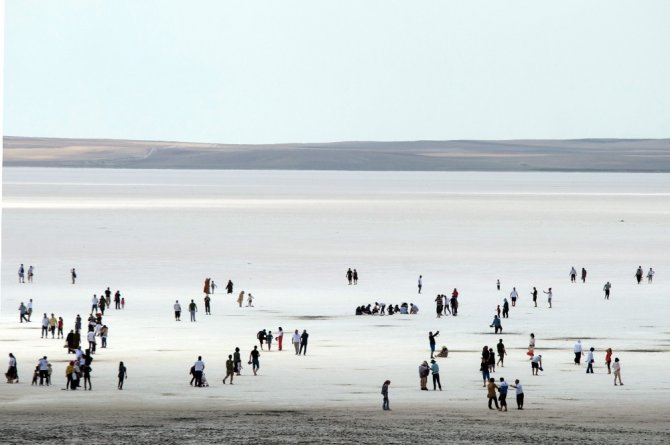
[[296, 342], [250, 300], [420, 282], [29, 309], [583, 275], [45, 327], [491, 389], [123, 374], [117, 300], [280, 338], [534, 294], [303, 342], [355, 277], [385, 395], [350, 276], [589, 361], [608, 360], [60, 328], [519, 393], [30, 273], [94, 304], [435, 369], [198, 369], [43, 367], [501, 353], [616, 366], [12, 373], [573, 275], [254, 359], [424, 370], [240, 298], [192, 308], [439, 305], [502, 390], [514, 295], [578, 352], [268, 339], [229, 287], [498, 284], [531, 345], [177, 310], [484, 367], [607, 288], [207, 307], [454, 302], [638, 274], [91, 341], [21, 274], [73, 275], [549, 296], [650, 275], [212, 286], [505, 310], [53, 322], [230, 369], [206, 288], [237, 362], [431, 342], [104, 331]]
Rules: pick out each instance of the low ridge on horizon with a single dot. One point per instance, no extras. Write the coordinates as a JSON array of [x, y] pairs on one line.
[[588, 154]]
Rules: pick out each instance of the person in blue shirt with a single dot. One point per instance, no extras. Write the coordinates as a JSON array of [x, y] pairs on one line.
[[435, 369], [502, 389]]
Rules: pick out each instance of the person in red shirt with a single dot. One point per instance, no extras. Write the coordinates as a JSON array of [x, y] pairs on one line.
[[608, 360]]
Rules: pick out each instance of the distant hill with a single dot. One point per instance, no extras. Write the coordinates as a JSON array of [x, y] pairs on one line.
[[629, 155]]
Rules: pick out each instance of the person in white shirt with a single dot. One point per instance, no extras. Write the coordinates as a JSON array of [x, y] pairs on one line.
[[177, 311], [30, 309], [45, 327], [198, 368], [650, 275], [519, 394], [280, 337], [78, 353], [573, 275], [43, 367], [514, 295], [616, 366], [578, 352], [589, 361], [11, 374], [296, 342], [550, 295], [420, 282], [94, 303], [91, 341]]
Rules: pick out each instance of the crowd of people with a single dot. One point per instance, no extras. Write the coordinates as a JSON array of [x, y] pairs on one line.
[[383, 309]]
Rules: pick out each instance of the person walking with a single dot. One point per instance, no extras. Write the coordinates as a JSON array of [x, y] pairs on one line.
[[502, 390], [589, 361], [31, 272], [117, 301], [607, 288], [431, 342], [385, 395], [198, 369], [177, 310], [23, 313], [616, 366], [240, 298], [296, 342], [230, 369], [192, 308], [454, 302], [237, 362], [578, 352], [229, 287], [60, 328], [355, 277], [123, 374], [21, 274], [519, 393], [12, 374], [253, 359], [492, 396], [420, 282], [505, 309], [549, 296], [484, 367], [638, 274], [207, 307], [435, 369], [650, 275], [513, 296], [104, 331], [45, 327], [496, 324], [501, 353], [280, 338], [573, 275], [212, 286], [73, 275], [303, 342], [424, 370], [498, 284], [583, 275], [206, 288], [268, 339], [350, 276]]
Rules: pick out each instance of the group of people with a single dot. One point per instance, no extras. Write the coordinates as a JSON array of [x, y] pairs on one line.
[[352, 276], [590, 360], [105, 301], [447, 305], [639, 273], [22, 274], [382, 309]]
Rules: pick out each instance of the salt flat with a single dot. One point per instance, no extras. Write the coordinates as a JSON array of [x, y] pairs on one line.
[[288, 237]]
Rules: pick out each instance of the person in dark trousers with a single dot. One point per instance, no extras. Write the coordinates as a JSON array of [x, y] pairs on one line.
[[123, 374], [420, 282], [73, 275], [261, 336], [177, 310], [230, 369], [198, 369], [229, 287], [573, 275], [431, 342], [607, 288], [498, 284], [350, 276], [117, 300], [496, 324], [501, 353], [355, 277], [439, 306], [638, 274], [385, 394], [502, 390], [435, 369], [253, 359], [583, 275], [493, 398], [237, 361], [207, 307], [192, 308], [505, 309], [534, 294], [519, 393], [303, 342]]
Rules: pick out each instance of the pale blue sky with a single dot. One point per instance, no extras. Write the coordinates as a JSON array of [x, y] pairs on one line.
[[311, 71]]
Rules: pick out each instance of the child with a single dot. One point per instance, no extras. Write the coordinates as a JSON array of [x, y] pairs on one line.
[[123, 302], [250, 300], [36, 374], [519, 394]]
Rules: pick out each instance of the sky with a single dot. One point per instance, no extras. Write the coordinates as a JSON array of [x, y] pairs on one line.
[[321, 71]]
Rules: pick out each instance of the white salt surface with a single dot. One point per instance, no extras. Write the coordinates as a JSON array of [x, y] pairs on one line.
[[288, 237]]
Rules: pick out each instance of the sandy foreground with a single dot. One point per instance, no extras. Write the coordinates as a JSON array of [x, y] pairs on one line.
[[288, 238]]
